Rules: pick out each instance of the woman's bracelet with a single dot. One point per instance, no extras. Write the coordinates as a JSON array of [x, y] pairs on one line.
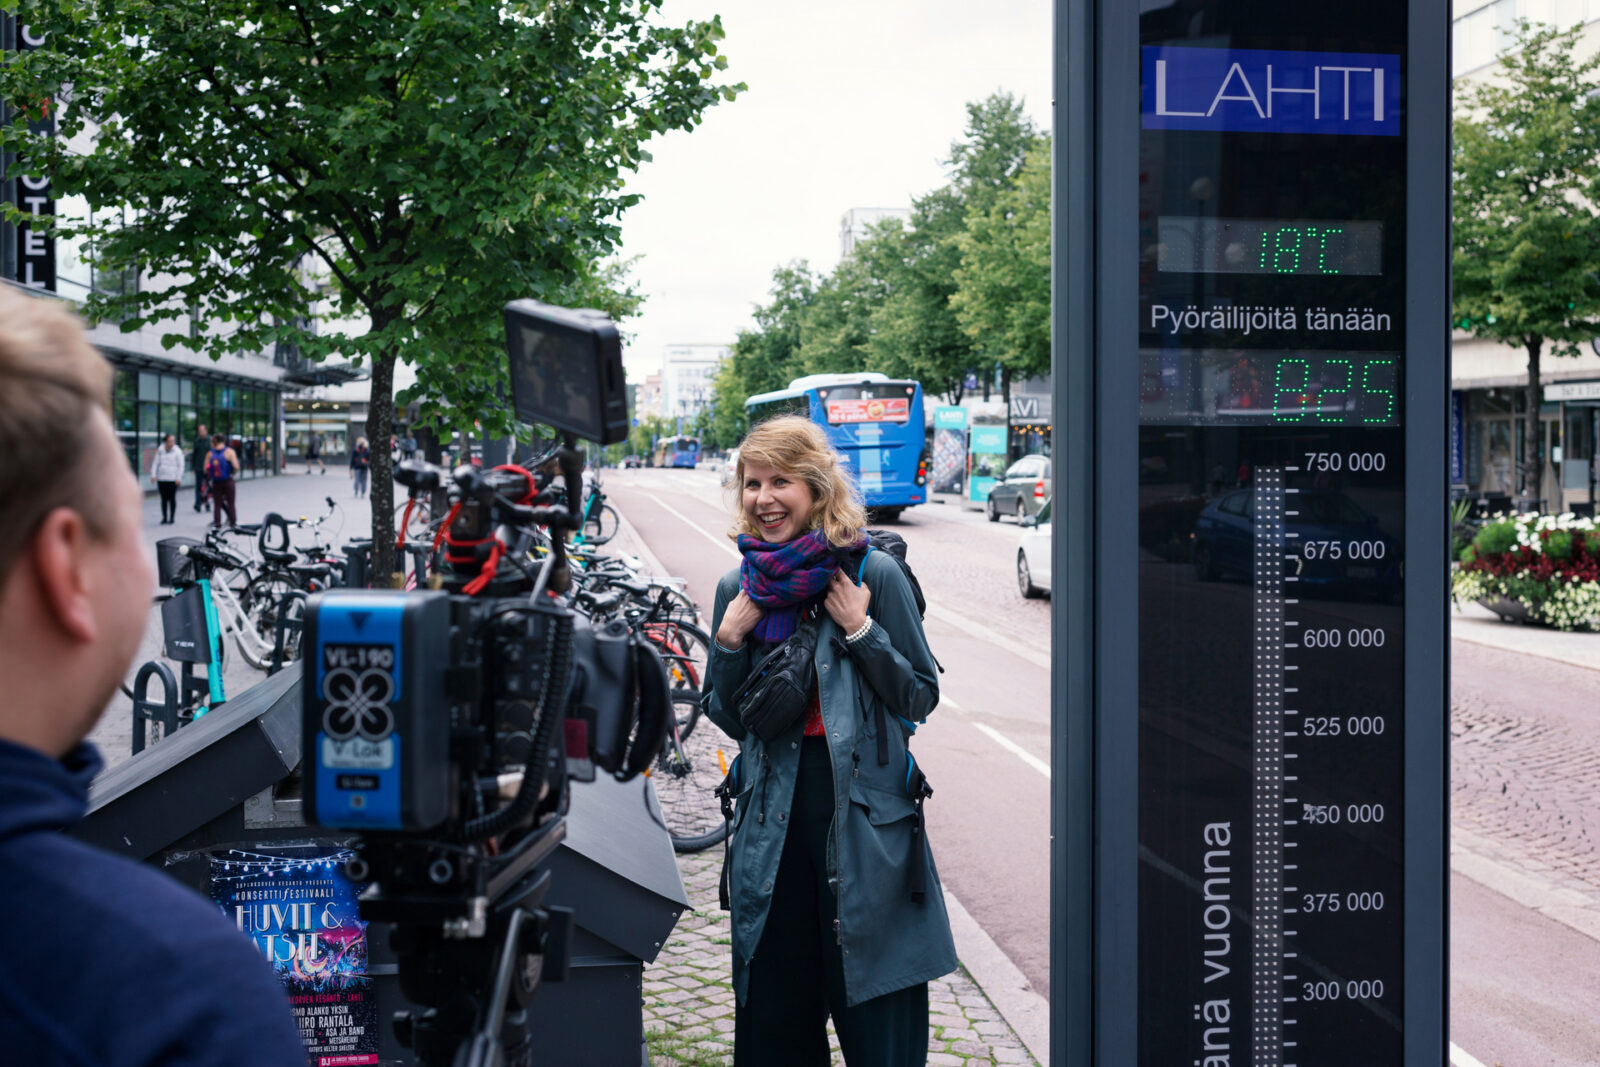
[[851, 639]]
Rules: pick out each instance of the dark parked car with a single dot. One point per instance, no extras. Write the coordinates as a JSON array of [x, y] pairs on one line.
[[1352, 555], [1022, 490]]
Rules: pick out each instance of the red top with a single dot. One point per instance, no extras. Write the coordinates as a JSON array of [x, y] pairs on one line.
[[814, 727]]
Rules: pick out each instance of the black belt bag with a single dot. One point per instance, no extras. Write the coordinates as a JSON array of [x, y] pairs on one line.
[[778, 690]]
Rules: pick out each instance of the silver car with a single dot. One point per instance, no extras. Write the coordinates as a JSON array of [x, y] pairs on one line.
[[1022, 490]]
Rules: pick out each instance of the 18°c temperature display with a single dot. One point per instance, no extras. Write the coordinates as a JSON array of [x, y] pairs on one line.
[[1193, 245]]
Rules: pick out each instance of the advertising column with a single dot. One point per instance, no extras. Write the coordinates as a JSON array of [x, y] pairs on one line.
[[949, 450], [986, 461]]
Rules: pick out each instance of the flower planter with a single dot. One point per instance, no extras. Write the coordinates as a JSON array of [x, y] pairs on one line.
[[1539, 570], [1510, 610]]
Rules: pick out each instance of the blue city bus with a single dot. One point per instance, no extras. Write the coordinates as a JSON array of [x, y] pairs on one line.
[[677, 451], [874, 422]]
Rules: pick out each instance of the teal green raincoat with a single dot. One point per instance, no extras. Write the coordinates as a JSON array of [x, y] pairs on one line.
[[888, 941]]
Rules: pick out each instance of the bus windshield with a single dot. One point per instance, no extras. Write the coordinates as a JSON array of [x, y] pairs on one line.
[[867, 402], [787, 405]]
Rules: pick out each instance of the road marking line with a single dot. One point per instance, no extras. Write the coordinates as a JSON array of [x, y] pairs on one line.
[[1015, 749], [1460, 1057], [702, 531], [1013, 645], [997, 737]]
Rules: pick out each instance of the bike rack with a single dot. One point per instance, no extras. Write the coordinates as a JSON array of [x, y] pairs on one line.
[[358, 566], [286, 626], [177, 692], [145, 710]]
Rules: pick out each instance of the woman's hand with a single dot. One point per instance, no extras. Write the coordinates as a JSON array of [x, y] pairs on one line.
[[847, 602], [738, 620]]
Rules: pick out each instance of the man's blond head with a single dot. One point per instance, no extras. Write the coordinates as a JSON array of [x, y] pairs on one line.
[[52, 383]]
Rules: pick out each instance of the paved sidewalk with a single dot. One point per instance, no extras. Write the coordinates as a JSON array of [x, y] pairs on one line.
[[1480, 626], [688, 994]]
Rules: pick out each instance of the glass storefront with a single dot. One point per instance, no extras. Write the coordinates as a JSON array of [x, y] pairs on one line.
[[147, 405], [328, 419]]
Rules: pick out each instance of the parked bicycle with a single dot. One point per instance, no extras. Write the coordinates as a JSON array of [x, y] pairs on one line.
[[201, 613], [691, 762]]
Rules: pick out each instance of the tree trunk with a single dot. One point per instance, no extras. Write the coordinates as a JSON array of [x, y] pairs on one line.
[[1005, 397], [380, 426], [1532, 428]]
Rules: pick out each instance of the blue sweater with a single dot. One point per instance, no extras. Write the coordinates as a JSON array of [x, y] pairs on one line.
[[109, 963]]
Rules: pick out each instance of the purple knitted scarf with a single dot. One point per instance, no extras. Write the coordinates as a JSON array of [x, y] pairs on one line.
[[781, 577]]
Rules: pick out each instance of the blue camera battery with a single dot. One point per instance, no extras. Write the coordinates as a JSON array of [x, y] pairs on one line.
[[376, 718]]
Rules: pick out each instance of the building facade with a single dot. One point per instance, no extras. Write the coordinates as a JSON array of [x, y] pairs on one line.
[[687, 373]]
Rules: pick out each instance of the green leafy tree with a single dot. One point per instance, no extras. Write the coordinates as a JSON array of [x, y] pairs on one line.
[[915, 333], [1526, 156], [1002, 296], [915, 330], [837, 324], [395, 170]]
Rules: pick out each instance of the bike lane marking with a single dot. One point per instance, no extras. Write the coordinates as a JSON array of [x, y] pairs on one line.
[[696, 527]]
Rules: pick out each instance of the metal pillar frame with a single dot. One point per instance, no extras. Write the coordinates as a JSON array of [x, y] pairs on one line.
[[1094, 739]]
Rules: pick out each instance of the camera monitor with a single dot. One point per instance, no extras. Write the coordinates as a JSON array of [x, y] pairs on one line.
[[566, 370]]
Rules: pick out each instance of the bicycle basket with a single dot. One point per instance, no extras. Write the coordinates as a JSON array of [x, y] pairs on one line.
[[172, 566], [183, 627]]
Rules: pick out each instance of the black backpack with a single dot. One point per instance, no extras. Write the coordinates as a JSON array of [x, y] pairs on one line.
[[894, 546]]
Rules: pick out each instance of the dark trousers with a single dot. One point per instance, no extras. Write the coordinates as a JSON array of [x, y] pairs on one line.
[[169, 500], [797, 974], [222, 498], [202, 483]]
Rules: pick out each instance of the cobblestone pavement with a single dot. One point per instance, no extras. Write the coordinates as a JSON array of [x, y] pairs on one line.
[[1525, 764], [688, 994]]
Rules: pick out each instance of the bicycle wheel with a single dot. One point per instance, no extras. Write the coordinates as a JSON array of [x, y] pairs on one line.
[[264, 599], [601, 525], [686, 775], [417, 528], [685, 650]]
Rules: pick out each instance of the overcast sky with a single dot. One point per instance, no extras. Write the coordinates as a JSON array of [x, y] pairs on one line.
[[850, 104]]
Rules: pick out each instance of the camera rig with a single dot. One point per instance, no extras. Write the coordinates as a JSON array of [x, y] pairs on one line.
[[445, 725]]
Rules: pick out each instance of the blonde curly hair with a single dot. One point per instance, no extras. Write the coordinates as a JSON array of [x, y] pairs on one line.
[[800, 449]]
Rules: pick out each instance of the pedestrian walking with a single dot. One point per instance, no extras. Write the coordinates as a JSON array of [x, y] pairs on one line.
[[166, 470], [198, 453], [170, 980], [314, 453], [408, 446], [360, 464], [836, 905], [222, 464]]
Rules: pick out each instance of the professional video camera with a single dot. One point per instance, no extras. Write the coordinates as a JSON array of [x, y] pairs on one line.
[[445, 724]]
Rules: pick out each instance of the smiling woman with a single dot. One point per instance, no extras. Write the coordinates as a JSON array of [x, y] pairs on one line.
[[804, 855]]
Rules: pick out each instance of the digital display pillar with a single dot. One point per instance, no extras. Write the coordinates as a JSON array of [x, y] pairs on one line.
[[1251, 301]]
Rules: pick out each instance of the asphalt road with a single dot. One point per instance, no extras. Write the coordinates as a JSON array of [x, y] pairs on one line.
[[1525, 777]]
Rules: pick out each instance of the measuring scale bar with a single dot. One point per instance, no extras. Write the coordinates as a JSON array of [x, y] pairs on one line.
[[1267, 766]]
